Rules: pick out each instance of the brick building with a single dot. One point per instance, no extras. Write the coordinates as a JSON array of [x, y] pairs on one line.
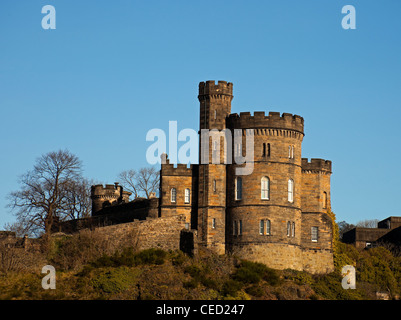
[[276, 215]]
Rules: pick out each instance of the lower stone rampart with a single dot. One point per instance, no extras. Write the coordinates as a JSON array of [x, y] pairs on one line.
[[163, 233]]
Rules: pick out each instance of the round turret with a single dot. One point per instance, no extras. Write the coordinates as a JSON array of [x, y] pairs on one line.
[[266, 204], [103, 196]]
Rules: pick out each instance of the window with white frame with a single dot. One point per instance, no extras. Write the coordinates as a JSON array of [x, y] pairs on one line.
[[314, 234], [187, 195], [265, 188], [238, 188], [261, 227], [264, 227], [173, 194], [291, 190], [290, 152]]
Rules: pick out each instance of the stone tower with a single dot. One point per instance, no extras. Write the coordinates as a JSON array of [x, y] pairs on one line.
[[215, 106], [109, 195], [268, 211]]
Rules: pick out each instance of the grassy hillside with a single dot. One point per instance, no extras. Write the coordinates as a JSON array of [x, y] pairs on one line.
[[157, 274]]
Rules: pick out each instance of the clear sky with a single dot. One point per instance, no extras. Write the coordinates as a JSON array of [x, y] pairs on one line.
[[112, 70]]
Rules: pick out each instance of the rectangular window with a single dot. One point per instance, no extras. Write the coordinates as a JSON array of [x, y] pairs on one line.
[[240, 227], [290, 190], [315, 234], [264, 227], [265, 186], [235, 227], [173, 195], [187, 195], [214, 223]]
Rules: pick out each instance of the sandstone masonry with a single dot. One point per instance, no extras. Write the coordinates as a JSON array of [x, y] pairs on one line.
[[276, 215]]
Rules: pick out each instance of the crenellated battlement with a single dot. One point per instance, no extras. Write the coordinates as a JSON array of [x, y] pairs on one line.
[[286, 121], [169, 169], [110, 191], [210, 88], [316, 165]]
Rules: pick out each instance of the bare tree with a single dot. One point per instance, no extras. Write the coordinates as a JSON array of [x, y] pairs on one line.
[[78, 199], [148, 180], [129, 180], [368, 223], [141, 183], [45, 191]]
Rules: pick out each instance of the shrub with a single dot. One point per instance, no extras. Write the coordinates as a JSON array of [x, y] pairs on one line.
[[113, 280], [231, 287], [127, 257], [252, 272], [150, 256]]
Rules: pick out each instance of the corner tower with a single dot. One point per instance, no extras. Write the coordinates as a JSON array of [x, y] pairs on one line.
[[215, 106]]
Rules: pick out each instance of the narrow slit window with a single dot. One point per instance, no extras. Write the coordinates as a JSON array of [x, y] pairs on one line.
[[291, 190], [267, 227], [238, 188], [261, 226], [324, 200]]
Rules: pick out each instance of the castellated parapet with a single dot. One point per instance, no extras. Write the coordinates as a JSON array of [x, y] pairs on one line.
[[316, 165], [278, 214], [260, 120], [210, 88], [110, 194]]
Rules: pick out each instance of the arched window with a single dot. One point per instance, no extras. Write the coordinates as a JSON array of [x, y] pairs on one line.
[[187, 195], [324, 200], [238, 188], [173, 194], [265, 188], [291, 190]]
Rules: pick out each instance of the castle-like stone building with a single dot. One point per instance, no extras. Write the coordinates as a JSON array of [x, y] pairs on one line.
[[276, 215]]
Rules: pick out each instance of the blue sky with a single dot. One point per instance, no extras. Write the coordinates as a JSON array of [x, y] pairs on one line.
[[112, 70]]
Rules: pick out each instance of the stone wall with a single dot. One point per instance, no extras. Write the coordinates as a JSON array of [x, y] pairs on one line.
[[163, 233]]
